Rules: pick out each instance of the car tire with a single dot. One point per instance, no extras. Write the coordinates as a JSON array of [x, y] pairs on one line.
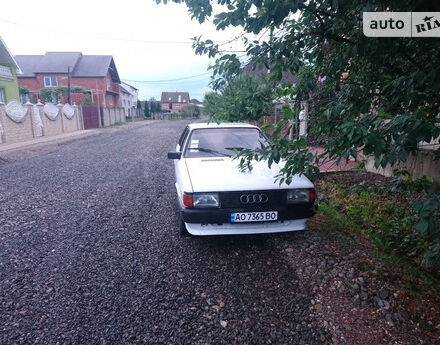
[[183, 231]]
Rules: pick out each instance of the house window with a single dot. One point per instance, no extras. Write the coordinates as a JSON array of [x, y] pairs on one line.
[[110, 100], [108, 84], [2, 95], [50, 81]]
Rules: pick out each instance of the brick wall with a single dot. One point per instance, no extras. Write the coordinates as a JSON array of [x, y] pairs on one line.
[[175, 107]]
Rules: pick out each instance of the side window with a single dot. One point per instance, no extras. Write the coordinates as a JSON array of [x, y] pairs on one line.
[[183, 137]]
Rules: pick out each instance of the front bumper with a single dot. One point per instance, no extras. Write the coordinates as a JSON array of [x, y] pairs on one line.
[[217, 221], [246, 228], [222, 215]]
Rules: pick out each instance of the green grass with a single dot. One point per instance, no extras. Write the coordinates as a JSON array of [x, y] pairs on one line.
[[387, 224]]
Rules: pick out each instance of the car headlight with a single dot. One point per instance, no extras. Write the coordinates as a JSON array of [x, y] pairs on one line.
[[298, 195], [206, 200]]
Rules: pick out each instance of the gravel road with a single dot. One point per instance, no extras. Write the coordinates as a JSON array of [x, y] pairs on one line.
[[90, 254]]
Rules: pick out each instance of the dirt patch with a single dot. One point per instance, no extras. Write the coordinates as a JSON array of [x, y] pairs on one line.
[[351, 178]]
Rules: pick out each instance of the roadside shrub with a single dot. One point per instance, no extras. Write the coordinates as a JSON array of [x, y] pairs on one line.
[[389, 220], [188, 111]]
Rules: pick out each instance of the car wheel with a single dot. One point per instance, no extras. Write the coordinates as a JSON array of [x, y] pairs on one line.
[[182, 228]]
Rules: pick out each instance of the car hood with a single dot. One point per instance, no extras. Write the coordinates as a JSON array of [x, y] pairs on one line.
[[222, 174]]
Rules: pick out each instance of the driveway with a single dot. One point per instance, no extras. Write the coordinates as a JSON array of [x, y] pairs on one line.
[[90, 253]]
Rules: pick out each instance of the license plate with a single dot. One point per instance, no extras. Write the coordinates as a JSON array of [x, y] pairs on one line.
[[241, 217]]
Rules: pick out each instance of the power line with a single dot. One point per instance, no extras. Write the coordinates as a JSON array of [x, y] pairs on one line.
[[232, 40], [95, 36], [178, 79], [110, 38], [166, 80]]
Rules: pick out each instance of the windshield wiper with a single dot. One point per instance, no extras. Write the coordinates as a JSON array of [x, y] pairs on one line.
[[202, 149], [238, 148]]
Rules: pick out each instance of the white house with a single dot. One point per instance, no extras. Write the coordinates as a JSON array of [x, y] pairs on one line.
[[128, 98]]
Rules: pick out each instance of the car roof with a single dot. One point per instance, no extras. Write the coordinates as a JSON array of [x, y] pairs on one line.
[[200, 125]]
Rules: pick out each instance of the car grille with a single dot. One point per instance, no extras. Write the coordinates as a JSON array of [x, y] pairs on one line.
[[232, 199]]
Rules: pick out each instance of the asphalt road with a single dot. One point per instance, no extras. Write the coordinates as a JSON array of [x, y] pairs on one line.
[[90, 253]]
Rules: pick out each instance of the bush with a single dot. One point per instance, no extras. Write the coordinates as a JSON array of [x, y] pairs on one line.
[[388, 219], [189, 110]]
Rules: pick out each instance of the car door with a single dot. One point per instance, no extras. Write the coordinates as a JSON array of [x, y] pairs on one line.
[[183, 183]]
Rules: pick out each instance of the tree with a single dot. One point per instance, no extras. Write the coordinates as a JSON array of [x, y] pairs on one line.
[[382, 92], [211, 103], [146, 109], [196, 112], [154, 105], [243, 98], [24, 94], [190, 110], [54, 95], [369, 79]]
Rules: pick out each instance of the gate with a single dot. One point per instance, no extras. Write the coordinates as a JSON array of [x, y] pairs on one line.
[[90, 117]]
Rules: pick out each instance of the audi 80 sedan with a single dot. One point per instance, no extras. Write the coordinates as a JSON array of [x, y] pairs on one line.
[[216, 198]]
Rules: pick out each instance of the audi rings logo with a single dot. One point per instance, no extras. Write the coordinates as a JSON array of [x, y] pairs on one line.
[[254, 199]]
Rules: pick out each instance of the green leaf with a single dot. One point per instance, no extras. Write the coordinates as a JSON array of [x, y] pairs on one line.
[[422, 226]]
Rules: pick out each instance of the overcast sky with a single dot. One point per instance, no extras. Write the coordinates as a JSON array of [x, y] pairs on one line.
[[34, 27]]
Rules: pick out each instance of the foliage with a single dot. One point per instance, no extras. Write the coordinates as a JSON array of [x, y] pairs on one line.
[[189, 110], [241, 99], [138, 104], [88, 99], [47, 94], [280, 146], [146, 109], [23, 90], [387, 220], [369, 79], [155, 106], [196, 112], [380, 94], [427, 208], [211, 102], [52, 94]]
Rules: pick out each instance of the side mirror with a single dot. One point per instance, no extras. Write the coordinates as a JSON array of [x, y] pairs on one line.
[[174, 155]]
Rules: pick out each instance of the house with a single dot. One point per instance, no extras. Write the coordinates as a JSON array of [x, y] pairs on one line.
[[9, 69], [174, 101], [128, 98], [94, 78], [196, 102]]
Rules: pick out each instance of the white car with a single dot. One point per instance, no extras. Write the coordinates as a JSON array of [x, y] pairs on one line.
[[215, 198]]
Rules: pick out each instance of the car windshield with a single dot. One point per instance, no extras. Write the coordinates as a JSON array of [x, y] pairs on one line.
[[222, 142]]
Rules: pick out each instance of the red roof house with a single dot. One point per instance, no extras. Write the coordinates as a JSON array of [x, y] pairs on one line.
[[174, 101], [95, 74]]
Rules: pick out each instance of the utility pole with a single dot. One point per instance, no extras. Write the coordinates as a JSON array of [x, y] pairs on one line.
[[68, 84]]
